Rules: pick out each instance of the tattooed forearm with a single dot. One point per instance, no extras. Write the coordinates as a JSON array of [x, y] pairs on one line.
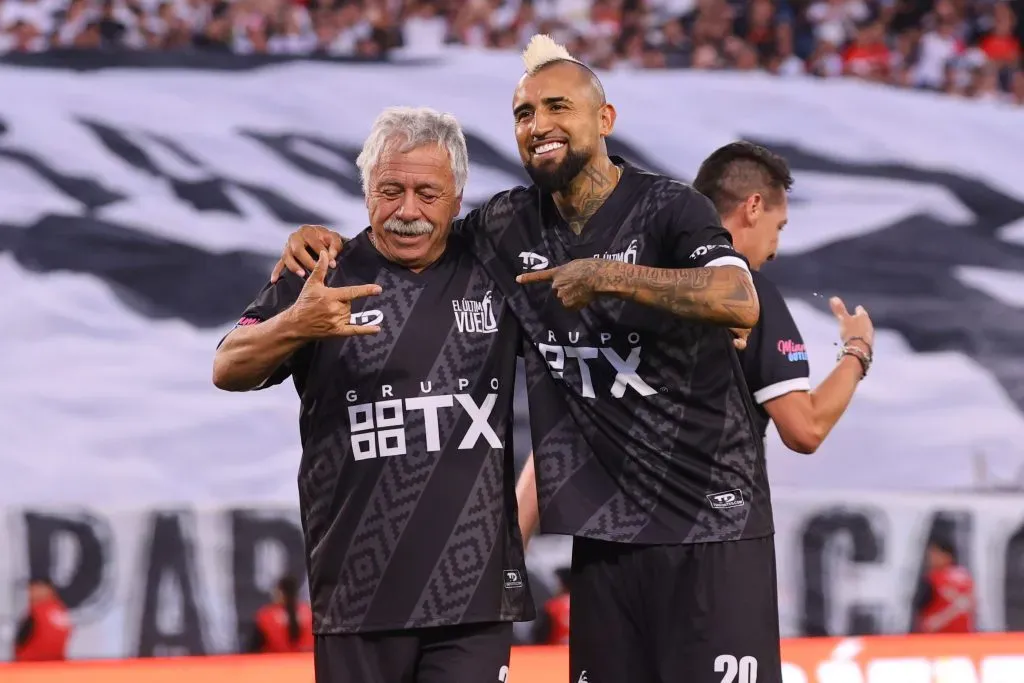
[[724, 295]]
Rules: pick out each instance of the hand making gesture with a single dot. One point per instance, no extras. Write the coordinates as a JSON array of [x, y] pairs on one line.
[[323, 311], [574, 283]]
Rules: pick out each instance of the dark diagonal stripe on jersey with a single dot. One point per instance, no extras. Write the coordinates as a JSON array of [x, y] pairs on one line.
[[466, 552], [564, 453], [396, 301], [317, 486], [655, 428], [728, 523], [626, 513], [454, 580], [404, 479], [369, 551]]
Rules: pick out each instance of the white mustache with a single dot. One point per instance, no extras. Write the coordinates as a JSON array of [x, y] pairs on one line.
[[408, 228]]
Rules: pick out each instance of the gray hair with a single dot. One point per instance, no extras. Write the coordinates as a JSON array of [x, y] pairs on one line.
[[415, 127]]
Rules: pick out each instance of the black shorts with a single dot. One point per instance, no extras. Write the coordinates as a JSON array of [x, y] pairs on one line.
[[468, 652], [701, 613]]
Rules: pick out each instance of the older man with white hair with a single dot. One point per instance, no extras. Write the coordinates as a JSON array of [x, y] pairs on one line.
[[406, 487]]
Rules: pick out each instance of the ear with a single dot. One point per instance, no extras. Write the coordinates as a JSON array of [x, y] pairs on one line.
[[607, 121], [753, 208], [458, 206]]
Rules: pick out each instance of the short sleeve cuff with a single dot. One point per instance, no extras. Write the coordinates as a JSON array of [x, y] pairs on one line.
[[728, 261], [781, 389]]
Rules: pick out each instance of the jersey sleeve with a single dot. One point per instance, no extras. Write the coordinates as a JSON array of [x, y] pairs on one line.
[[272, 300], [776, 360], [694, 236]]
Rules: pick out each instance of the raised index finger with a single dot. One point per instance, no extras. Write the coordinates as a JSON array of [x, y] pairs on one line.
[[838, 308], [355, 292], [538, 276]]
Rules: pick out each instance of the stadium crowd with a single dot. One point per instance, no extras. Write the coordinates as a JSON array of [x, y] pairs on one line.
[[969, 48]]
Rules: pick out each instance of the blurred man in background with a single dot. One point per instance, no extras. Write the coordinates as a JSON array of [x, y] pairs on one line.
[[44, 631], [944, 601], [552, 624], [283, 625], [406, 488], [748, 185]]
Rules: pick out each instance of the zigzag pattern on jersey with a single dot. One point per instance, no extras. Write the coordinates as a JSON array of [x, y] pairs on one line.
[[450, 587], [369, 356], [459, 570], [499, 215], [326, 452], [734, 458], [653, 433], [561, 453], [403, 479]]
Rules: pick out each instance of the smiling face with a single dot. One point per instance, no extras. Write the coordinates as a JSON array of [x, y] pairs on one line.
[[561, 119], [412, 202]]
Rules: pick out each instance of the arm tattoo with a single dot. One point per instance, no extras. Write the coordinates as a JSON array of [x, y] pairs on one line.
[[723, 295]]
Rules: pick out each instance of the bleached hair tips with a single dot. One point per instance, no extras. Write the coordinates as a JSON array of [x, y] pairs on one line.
[[543, 50]]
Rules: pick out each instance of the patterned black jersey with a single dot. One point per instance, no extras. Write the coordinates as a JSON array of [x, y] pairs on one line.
[[775, 360], [642, 426], [406, 485]]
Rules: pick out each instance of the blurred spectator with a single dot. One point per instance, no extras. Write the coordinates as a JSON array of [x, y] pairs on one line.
[[285, 624], [968, 48], [44, 631], [944, 602], [552, 624]]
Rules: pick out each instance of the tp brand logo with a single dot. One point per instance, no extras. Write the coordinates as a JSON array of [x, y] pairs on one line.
[[726, 499], [371, 317], [513, 579], [532, 261]]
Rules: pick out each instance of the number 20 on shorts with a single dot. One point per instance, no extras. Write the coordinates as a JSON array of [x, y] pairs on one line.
[[742, 670]]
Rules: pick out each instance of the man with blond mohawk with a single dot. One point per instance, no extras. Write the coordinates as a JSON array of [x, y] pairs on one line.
[[646, 449]]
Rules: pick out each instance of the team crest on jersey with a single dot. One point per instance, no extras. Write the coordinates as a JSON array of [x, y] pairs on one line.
[[475, 316], [627, 255]]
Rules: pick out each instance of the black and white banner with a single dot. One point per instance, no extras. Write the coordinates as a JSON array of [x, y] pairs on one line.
[[187, 581], [140, 210]]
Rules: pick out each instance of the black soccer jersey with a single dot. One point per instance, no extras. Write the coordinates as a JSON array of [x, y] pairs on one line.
[[775, 360], [642, 426], [406, 484]]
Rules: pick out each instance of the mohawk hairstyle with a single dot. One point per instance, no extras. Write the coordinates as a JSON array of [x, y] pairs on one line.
[[543, 50]]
